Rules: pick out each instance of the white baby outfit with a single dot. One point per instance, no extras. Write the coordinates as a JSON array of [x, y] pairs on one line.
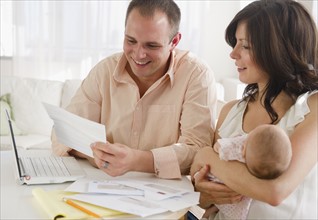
[[231, 149]]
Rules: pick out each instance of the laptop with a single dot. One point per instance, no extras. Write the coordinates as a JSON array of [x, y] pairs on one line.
[[32, 168]]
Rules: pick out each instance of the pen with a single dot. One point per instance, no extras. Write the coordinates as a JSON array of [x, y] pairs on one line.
[[71, 203]]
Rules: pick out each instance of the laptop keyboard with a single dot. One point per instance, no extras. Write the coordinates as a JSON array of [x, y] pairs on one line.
[[45, 166]]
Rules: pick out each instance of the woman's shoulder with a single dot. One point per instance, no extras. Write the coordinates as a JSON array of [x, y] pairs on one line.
[[312, 100], [225, 111], [228, 106], [305, 105], [312, 103]]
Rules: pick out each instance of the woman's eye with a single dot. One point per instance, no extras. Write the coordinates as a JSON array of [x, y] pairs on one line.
[[246, 47]]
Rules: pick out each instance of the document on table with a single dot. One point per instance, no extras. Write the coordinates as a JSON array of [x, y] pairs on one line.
[[156, 198], [74, 131], [113, 187]]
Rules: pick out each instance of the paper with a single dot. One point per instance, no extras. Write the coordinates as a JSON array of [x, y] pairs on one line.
[[133, 205], [74, 131], [156, 198], [153, 191], [53, 204], [113, 187]]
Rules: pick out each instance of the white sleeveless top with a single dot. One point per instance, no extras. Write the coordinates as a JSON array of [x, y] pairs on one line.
[[302, 203]]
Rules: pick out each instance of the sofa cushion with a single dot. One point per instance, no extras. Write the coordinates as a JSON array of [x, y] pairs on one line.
[[29, 113], [69, 89], [8, 83], [48, 91]]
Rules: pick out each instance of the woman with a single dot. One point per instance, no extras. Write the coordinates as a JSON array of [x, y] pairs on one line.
[[275, 50]]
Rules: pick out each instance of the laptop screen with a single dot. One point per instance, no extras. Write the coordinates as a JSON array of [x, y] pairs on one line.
[[14, 146]]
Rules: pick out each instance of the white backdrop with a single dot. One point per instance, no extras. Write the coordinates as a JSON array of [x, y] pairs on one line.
[[65, 39]]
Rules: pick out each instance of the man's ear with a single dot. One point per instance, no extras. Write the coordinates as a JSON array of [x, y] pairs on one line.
[[175, 40]]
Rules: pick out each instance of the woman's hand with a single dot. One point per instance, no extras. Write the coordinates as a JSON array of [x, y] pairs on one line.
[[211, 192]]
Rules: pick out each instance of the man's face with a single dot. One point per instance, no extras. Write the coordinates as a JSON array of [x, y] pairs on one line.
[[147, 45]]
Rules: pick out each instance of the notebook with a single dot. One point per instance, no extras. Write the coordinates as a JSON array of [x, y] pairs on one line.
[[44, 169]]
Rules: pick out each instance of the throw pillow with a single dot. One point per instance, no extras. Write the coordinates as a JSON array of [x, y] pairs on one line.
[[5, 105]]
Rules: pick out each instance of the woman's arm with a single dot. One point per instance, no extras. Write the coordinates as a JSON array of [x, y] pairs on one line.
[[304, 147]]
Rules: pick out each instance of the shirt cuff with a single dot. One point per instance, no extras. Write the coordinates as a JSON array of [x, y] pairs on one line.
[[166, 163]]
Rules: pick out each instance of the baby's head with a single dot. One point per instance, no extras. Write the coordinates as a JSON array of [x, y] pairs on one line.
[[267, 151]]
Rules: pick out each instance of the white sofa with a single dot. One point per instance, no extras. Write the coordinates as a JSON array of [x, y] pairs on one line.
[[32, 124]]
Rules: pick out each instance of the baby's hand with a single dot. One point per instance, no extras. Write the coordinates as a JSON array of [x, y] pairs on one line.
[[216, 147], [209, 176]]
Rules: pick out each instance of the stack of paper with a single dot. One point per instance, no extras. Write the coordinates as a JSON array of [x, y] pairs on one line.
[[54, 204], [135, 197]]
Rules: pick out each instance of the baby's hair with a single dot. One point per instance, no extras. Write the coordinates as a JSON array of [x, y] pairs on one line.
[[268, 152]]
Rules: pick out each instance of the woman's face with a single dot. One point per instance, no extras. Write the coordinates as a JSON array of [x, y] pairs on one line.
[[249, 71]]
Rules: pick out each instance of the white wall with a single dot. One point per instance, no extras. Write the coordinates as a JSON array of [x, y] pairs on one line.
[[6, 66], [216, 51]]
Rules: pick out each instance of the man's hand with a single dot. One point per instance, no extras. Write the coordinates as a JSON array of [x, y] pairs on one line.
[[120, 158], [81, 155]]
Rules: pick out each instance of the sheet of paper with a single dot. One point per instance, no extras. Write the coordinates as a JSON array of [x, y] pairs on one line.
[[177, 203], [74, 131], [113, 187], [133, 205], [79, 186], [154, 191]]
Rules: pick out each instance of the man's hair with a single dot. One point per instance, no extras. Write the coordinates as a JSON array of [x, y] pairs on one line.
[[147, 8], [283, 42]]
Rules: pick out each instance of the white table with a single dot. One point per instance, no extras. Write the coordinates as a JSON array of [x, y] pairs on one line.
[[17, 201]]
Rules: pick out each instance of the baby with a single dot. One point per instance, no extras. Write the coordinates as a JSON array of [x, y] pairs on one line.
[[266, 151]]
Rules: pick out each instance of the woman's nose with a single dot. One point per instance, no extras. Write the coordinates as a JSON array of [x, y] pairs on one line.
[[234, 54]]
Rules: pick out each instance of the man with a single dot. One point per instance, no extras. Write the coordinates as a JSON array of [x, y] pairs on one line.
[[156, 102]]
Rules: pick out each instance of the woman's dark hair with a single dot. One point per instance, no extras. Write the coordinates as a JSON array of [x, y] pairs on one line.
[[283, 40], [147, 8]]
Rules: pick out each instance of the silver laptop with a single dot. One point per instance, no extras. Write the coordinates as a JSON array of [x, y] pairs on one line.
[[45, 169]]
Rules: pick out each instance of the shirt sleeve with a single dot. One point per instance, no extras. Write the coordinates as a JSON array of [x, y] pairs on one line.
[[166, 163]]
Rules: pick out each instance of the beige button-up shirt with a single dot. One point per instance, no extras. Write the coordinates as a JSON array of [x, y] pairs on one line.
[[173, 119]]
